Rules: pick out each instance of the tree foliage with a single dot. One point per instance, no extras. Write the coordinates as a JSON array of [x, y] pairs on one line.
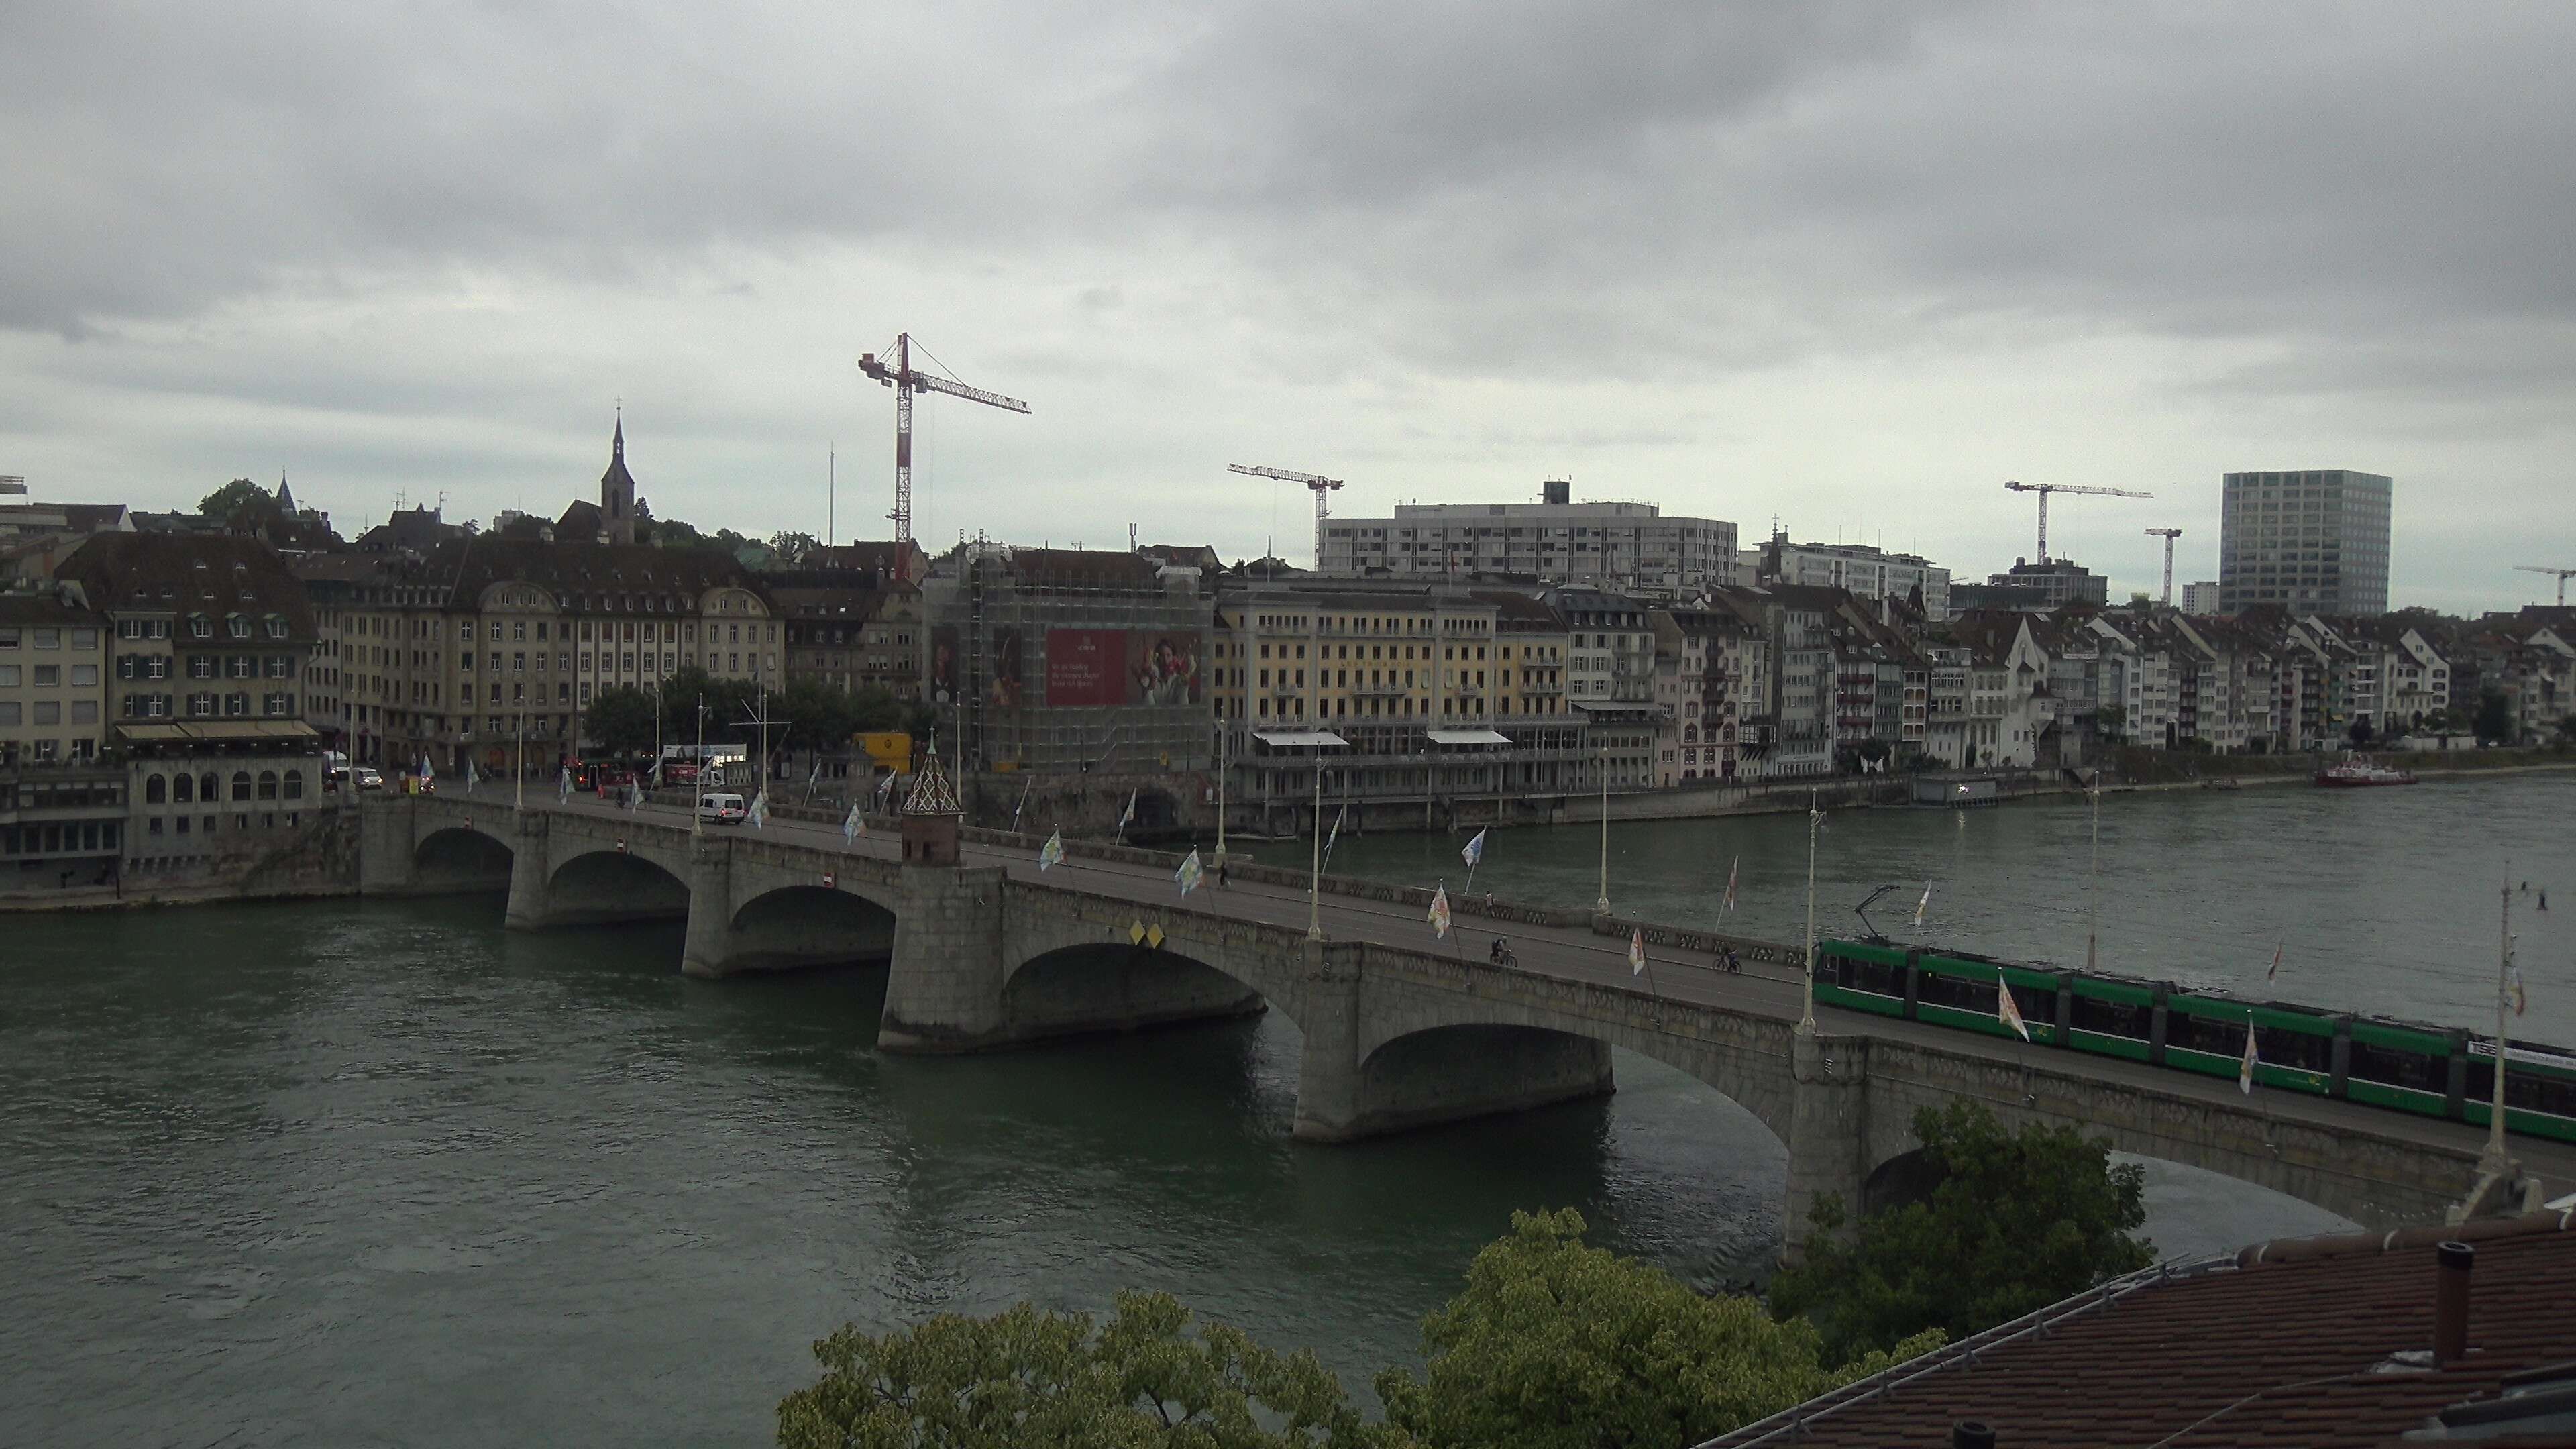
[[2019, 1220], [240, 504], [1031, 1377], [791, 547], [2494, 720], [620, 720], [1555, 1345], [807, 715]]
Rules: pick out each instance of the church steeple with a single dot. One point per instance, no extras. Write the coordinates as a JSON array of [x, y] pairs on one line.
[[617, 489], [285, 495]]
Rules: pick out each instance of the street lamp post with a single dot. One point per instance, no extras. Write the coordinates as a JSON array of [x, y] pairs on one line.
[[1807, 1004], [2093, 898], [1603, 904], [1315, 880], [2494, 1161], [519, 784], [1222, 730], [697, 817]]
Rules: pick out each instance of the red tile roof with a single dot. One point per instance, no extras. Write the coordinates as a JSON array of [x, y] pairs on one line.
[[2292, 1343]]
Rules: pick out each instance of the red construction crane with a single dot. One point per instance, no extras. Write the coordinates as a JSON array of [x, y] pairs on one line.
[[1323, 489], [2044, 489], [900, 376], [2169, 535], [2563, 576]]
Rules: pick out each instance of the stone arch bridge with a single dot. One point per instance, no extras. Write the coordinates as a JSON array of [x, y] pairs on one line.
[[1398, 1032]]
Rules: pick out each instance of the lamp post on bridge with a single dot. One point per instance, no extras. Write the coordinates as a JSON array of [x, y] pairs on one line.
[[2494, 1163], [1602, 906], [519, 780], [2093, 897], [1807, 1001], [1315, 879]]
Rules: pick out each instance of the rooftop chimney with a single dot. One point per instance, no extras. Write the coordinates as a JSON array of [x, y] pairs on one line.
[[2451, 1302], [1971, 1434]]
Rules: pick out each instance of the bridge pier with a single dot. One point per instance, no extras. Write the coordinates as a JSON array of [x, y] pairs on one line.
[[1328, 1064], [1828, 1133], [531, 872], [710, 937], [944, 988], [385, 843]]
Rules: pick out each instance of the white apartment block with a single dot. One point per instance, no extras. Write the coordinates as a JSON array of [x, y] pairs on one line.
[[1632, 547], [1856, 568]]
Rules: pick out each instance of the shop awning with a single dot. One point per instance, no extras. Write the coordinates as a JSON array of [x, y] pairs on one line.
[[219, 731], [1603, 706], [1468, 737], [1299, 739]]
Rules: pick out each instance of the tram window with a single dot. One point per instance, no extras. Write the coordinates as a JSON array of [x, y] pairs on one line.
[[2523, 1088], [2294, 1049], [2205, 1034], [2422, 1071], [1958, 994], [2134, 1020], [1854, 974]]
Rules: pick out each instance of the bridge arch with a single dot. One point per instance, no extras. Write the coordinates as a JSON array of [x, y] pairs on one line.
[[808, 925], [461, 858], [1101, 986], [603, 886], [1474, 1069]]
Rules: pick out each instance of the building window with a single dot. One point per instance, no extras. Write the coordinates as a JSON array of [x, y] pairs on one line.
[[268, 784], [241, 784], [294, 786]]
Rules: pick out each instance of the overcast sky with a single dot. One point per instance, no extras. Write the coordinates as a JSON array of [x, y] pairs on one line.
[[1850, 266]]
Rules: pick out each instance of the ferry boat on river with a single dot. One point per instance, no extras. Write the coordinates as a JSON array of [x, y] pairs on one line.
[[2359, 770]]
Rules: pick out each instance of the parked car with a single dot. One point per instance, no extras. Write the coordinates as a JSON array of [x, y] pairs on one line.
[[721, 808], [367, 778]]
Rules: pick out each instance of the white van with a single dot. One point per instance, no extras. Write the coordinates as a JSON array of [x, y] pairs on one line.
[[721, 808]]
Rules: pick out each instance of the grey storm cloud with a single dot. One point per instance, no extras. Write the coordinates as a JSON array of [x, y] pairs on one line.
[[1405, 215]]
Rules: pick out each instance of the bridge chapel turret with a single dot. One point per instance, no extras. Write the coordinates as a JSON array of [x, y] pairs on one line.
[[931, 815], [617, 490]]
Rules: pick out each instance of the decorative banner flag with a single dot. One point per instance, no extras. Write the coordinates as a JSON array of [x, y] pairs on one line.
[[470, 777], [2519, 1000], [1052, 853], [563, 784], [1024, 803], [815, 778], [1475, 850], [885, 789], [2275, 973], [428, 771], [1728, 903], [1127, 816], [634, 795], [2008, 1011], [856, 825], [1636, 950], [757, 817], [1334, 834], [1440, 911], [1923, 905], [1190, 873], [2245, 1068]]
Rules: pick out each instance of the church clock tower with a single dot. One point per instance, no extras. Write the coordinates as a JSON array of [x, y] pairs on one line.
[[617, 490]]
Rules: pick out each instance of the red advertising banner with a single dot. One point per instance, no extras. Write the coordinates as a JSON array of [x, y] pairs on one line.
[[1086, 667]]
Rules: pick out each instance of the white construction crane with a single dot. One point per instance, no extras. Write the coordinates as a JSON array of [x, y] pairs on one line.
[[900, 376], [2563, 576], [2044, 489], [2169, 535], [1323, 489]]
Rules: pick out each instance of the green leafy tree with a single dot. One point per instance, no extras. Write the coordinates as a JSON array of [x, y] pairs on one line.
[[2361, 732], [2113, 721], [1030, 1377], [240, 504], [791, 546], [2566, 740], [1556, 1345], [2495, 721], [2018, 1220], [620, 720]]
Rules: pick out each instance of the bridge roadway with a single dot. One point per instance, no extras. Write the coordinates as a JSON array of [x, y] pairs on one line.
[[1842, 1099]]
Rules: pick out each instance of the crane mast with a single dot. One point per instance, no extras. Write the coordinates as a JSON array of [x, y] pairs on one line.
[[2044, 489], [1323, 488], [2169, 535], [900, 375]]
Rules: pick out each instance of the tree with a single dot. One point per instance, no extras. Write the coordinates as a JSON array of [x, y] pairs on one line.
[[791, 547], [620, 720], [2495, 720], [2018, 1220], [1032, 1377], [1555, 1345], [240, 504], [2566, 740], [2112, 721], [2361, 733]]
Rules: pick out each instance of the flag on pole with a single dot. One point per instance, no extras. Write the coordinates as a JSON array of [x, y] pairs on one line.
[[757, 817], [1636, 950], [428, 771], [1440, 911], [2519, 1000], [471, 779], [885, 790], [1052, 853], [1190, 872], [563, 783], [2008, 1011], [1127, 816], [1024, 803], [634, 796], [1475, 850], [1334, 834], [2245, 1068], [2274, 974], [1923, 905], [816, 777], [856, 825], [1728, 903]]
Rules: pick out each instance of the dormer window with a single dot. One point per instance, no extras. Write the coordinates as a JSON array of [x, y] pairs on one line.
[[237, 626], [276, 627], [200, 627]]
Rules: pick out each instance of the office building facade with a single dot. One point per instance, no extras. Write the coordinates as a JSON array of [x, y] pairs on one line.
[[1633, 547], [2311, 542]]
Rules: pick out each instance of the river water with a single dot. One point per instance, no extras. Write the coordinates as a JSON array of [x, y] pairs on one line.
[[347, 1173]]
